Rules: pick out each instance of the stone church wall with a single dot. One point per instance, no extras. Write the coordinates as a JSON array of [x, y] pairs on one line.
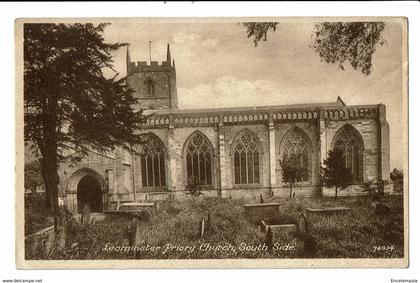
[[180, 136], [368, 129], [230, 134], [310, 129], [121, 176]]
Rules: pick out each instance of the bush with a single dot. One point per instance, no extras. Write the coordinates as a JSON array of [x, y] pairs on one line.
[[194, 186], [397, 178], [37, 216]]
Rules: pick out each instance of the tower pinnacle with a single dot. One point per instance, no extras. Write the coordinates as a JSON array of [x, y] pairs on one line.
[[128, 59], [173, 66], [168, 54]]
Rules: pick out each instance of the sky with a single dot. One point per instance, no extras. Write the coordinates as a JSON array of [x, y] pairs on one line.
[[218, 66]]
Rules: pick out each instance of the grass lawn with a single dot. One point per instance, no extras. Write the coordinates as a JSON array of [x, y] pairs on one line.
[[356, 234], [351, 235]]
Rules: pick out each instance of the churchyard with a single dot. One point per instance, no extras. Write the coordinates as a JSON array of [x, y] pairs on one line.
[[210, 227]]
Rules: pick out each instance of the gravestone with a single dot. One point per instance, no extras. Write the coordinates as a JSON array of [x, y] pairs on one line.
[[328, 210], [302, 224], [139, 206], [201, 227], [276, 229], [269, 239], [381, 208], [85, 221], [209, 224], [255, 212], [134, 230], [157, 196], [309, 245]]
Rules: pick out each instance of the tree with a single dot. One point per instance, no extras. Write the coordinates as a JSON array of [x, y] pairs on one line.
[[397, 178], [396, 175], [194, 186], [334, 173], [292, 172], [70, 106], [336, 42], [259, 30], [374, 189]]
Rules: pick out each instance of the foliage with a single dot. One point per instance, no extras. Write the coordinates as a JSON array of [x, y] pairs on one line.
[[397, 178], [70, 106], [194, 186], [356, 234], [352, 42], [292, 172], [396, 175], [258, 30], [374, 189], [336, 42], [334, 173], [34, 184], [37, 217], [88, 242]]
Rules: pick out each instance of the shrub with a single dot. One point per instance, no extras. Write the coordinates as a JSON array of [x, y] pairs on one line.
[[397, 178], [194, 186], [37, 216]]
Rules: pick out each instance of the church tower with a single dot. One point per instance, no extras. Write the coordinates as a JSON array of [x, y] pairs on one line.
[[154, 84]]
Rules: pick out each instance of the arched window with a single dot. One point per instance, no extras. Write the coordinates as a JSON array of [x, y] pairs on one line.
[[350, 142], [296, 147], [150, 86], [198, 154], [246, 158], [152, 159]]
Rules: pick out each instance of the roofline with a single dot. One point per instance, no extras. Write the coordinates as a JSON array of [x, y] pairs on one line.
[[308, 106]]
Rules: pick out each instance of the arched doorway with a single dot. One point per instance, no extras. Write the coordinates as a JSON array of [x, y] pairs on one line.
[[89, 193]]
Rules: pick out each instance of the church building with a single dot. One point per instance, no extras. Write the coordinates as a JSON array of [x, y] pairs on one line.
[[233, 152]]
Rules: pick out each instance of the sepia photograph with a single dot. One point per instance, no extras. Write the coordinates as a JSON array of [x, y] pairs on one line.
[[211, 142]]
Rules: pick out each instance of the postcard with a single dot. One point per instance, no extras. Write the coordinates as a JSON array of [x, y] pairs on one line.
[[211, 142]]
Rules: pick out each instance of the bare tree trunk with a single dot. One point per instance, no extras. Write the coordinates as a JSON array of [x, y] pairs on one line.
[[335, 198], [290, 191]]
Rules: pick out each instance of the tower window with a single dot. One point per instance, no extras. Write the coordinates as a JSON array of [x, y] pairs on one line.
[[150, 87]]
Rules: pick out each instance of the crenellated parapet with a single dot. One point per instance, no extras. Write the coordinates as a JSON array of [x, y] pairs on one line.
[[252, 115], [352, 112], [154, 66]]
